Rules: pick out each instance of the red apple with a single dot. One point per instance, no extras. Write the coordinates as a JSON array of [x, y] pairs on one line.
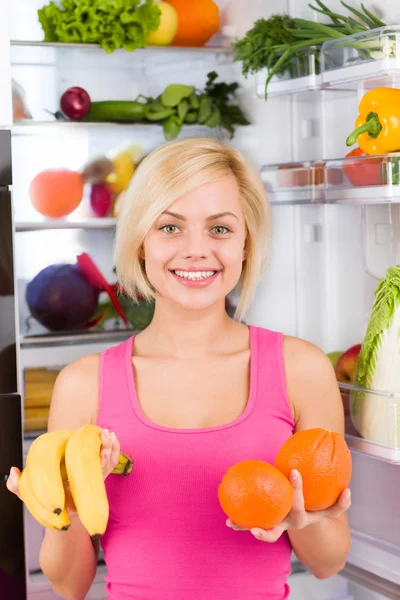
[[345, 372], [347, 363]]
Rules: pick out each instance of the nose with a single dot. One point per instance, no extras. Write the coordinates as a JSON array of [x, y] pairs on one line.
[[195, 246]]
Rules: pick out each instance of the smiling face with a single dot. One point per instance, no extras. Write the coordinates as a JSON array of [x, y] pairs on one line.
[[194, 251]]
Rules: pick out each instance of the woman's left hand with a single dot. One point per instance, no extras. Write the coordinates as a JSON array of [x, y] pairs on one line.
[[298, 518]]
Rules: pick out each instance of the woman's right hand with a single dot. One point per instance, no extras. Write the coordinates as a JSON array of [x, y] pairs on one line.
[[109, 453]]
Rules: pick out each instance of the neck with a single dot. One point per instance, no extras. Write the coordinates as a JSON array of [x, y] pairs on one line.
[[187, 333]]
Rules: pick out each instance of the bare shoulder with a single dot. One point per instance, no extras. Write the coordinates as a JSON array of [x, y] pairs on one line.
[[312, 386], [75, 396], [300, 354]]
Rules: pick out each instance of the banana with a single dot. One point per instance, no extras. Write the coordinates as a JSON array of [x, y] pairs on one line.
[[43, 469], [60, 522], [83, 463], [124, 466]]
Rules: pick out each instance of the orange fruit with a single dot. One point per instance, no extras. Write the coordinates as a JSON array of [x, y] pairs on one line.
[[324, 461], [56, 192], [198, 20], [254, 494]]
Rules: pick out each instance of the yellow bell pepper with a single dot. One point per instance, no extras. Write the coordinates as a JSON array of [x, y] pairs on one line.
[[378, 124]]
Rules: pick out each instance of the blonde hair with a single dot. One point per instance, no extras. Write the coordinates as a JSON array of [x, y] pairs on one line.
[[161, 178]]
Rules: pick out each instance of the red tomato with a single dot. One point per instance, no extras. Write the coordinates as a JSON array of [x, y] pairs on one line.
[[368, 171]]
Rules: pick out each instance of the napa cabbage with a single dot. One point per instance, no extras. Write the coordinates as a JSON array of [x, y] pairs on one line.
[[377, 416]]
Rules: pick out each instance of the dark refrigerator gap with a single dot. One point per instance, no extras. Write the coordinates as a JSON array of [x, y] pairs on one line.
[[12, 546]]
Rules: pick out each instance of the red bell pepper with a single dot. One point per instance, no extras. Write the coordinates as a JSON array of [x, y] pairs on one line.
[[364, 172]]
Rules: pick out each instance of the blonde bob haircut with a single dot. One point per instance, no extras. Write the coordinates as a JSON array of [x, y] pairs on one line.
[[164, 176]]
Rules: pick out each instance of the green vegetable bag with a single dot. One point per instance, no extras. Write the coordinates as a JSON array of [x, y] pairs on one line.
[[377, 417]]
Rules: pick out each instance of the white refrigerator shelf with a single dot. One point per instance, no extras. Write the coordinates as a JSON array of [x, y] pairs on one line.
[[58, 350]]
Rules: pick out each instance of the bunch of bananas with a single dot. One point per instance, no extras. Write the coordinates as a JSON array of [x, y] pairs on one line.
[[74, 456]]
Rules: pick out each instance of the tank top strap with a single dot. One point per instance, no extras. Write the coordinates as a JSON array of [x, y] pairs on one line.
[[114, 400], [272, 395]]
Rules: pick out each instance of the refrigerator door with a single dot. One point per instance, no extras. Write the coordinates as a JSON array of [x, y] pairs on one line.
[[12, 547], [12, 551]]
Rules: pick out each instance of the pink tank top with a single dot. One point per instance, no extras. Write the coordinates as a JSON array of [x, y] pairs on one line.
[[166, 537]]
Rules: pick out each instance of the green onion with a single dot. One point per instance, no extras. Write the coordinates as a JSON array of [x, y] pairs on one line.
[[272, 43]]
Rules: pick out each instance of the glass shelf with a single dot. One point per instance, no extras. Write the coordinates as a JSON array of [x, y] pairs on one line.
[[61, 45], [58, 349], [357, 180], [366, 180], [371, 57], [25, 52], [33, 127], [302, 75], [297, 183], [372, 422], [93, 223]]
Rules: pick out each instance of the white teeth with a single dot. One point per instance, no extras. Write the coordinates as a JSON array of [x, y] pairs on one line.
[[195, 274]]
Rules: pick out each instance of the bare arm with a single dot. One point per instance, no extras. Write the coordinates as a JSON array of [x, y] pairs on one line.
[[316, 402], [68, 559]]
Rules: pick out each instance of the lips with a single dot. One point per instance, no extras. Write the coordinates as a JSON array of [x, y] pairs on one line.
[[202, 278]]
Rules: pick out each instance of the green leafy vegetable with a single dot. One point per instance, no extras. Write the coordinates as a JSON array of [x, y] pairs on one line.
[[377, 418], [256, 49], [221, 95], [111, 23], [138, 314], [273, 43], [179, 104]]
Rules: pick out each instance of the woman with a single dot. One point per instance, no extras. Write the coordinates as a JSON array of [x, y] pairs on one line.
[[193, 394]]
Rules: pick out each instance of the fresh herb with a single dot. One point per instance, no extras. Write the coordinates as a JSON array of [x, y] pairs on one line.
[[113, 24], [221, 95], [212, 107], [256, 49], [274, 42]]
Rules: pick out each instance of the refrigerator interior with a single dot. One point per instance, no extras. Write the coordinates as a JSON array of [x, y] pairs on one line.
[[327, 258]]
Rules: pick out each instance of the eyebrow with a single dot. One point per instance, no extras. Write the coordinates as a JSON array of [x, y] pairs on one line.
[[210, 218]]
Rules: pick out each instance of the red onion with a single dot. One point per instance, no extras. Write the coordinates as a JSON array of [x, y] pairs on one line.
[[75, 103], [101, 199]]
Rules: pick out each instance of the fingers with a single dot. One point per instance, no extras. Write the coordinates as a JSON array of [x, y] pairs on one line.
[[343, 503], [232, 525], [109, 452], [265, 535], [269, 535], [297, 517], [12, 481], [297, 484], [115, 450]]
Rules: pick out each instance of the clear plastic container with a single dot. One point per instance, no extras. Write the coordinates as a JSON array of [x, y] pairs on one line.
[[372, 421], [371, 55], [297, 183], [302, 74], [365, 179]]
